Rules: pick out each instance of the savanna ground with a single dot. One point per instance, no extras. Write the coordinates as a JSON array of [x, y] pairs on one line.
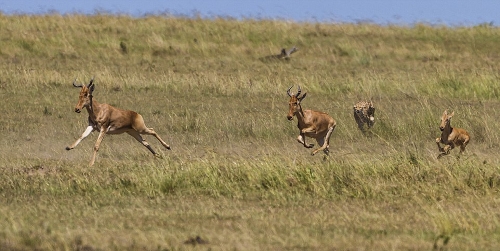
[[236, 177]]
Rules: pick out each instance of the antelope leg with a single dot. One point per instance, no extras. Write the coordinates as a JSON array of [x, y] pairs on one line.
[[84, 135]]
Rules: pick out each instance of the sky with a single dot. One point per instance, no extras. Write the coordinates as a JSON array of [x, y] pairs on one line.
[[399, 12]]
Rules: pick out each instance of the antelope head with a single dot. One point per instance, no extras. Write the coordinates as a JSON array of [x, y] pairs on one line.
[[294, 103], [445, 120], [85, 98]]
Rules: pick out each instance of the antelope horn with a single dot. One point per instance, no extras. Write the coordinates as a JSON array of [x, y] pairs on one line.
[[288, 91], [74, 84], [298, 91]]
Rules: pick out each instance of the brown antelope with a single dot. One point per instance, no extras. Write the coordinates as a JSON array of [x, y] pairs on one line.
[[110, 120], [450, 136], [313, 124]]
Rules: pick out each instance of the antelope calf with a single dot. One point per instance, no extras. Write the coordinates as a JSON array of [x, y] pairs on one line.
[[110, 120], [313, 124], [450, 136]]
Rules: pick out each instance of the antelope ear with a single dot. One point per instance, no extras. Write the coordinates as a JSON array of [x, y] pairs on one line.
[[452, 113], [283, 52], [91, 87], [303, 96]]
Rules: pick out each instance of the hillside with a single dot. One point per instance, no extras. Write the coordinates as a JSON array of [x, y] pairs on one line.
[[236, 175]]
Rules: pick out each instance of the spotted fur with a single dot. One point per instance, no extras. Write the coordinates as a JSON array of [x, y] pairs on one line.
[[364, 113]]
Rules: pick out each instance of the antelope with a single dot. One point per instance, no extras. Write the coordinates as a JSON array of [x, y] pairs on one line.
[[450, 136], [110, 120], [313, 124]]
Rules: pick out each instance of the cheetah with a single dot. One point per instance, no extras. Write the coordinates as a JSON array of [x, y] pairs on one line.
[[364, 112]]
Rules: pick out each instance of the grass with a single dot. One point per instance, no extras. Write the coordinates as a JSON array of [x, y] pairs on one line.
[[236, 176]]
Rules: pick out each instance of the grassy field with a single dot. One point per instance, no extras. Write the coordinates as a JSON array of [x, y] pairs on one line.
[[236, 177]]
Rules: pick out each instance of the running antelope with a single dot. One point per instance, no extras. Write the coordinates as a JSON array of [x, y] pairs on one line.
[[313, 124], [450, 136], [110, 120]]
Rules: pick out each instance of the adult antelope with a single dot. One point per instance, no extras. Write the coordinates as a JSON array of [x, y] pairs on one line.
[[313, 124], [450, 136], [110, 120]]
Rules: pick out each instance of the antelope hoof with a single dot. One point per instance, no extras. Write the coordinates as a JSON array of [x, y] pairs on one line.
[[67, 148], [309, 146], [443, 154]]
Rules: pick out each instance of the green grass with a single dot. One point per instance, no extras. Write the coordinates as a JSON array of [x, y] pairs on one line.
[[236, 176]]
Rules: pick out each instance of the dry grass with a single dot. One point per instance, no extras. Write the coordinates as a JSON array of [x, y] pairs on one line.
[[236, 176]]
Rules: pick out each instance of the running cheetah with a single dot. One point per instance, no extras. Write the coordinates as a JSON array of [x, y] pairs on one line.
[[364, 112]]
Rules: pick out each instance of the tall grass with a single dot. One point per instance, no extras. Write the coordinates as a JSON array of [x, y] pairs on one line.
[[236, 175]]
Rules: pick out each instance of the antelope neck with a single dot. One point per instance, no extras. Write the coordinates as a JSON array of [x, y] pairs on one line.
[[447, 130], [300, 116], [299, 112], [91, 109]]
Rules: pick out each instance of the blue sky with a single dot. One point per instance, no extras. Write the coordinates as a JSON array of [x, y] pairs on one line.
[[405, 12]]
